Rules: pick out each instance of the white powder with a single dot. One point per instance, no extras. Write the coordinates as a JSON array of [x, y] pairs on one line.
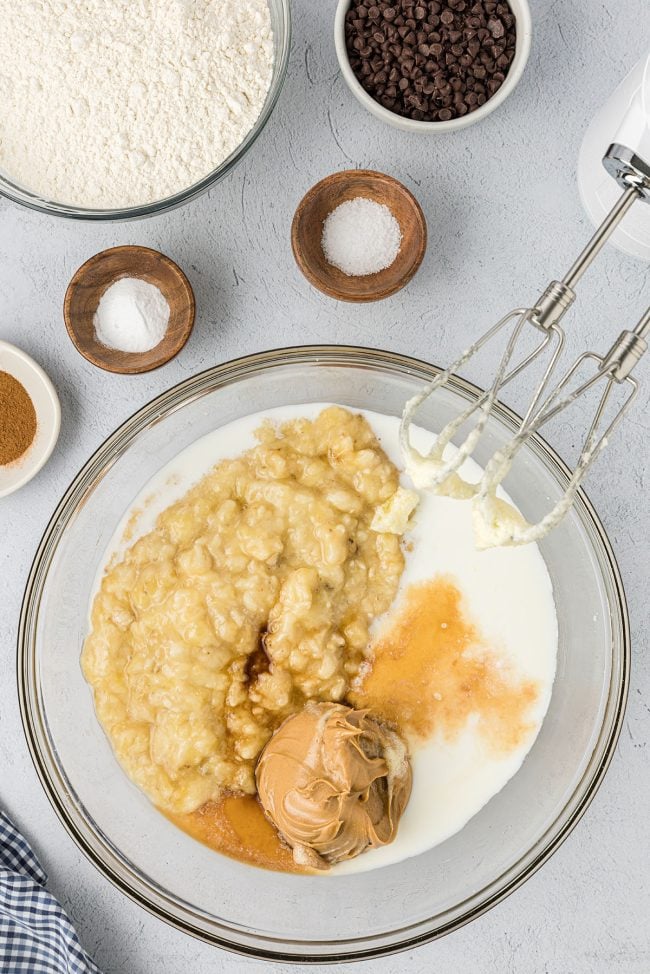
[[132, 315], [113, 103], [361, 237]]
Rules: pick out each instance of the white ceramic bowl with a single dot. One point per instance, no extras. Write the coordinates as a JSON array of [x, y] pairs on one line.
[[520, 9], [48, 417]]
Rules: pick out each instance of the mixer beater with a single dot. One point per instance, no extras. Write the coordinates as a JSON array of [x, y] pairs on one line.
[[496, 522]]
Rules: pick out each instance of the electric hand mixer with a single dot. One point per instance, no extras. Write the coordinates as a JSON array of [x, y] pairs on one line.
[[497, 522]]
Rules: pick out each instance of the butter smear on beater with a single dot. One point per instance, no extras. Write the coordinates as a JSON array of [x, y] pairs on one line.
[[496, 521]]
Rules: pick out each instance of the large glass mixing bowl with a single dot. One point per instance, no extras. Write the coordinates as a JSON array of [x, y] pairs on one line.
[[281, 25], [287, 917]]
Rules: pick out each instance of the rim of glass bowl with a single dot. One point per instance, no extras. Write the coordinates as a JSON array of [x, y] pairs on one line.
[[157, 901], [282, 45]]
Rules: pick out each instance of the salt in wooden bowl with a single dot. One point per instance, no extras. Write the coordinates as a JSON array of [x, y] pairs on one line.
[[325, 196]]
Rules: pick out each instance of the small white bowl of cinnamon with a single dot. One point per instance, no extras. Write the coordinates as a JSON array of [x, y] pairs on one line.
[[30, 418]]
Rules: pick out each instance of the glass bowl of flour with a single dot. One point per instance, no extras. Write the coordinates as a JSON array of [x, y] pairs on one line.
[[472, 832], [131, 109]]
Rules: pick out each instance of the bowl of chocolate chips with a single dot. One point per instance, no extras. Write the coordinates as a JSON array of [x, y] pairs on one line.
[[432, 65]]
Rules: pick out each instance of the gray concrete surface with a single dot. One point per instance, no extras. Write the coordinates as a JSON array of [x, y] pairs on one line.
[[504, 217]]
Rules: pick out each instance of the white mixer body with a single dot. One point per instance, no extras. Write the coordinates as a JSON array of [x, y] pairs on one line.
[[624, 118]]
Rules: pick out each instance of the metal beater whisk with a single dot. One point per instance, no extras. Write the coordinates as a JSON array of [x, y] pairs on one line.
[[441, 473]]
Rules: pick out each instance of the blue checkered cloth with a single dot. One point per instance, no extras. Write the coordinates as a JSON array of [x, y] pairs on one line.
[[36, 936]]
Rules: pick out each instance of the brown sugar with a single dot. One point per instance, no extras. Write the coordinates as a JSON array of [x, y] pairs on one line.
[[431, 670], [17, 419], [237, 827]]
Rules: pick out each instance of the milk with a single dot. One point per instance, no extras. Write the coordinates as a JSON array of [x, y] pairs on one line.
[[506, 592]]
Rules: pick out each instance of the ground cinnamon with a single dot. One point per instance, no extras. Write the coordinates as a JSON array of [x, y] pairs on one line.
[[17, 419]]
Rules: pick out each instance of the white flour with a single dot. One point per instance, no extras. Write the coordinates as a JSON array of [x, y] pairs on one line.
[[112, 103]]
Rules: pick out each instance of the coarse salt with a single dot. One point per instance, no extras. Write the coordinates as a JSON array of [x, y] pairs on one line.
[[132, 316], [361, 237]]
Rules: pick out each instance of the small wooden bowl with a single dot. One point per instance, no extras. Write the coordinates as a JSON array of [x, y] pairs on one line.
[[307, 231], [91, 280]]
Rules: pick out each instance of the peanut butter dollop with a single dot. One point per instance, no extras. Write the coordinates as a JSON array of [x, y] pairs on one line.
[[334, 781]]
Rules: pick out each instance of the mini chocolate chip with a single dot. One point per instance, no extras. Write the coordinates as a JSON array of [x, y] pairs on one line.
[[425, 56]]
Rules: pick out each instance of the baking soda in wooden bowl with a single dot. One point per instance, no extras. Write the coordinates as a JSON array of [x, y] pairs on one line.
[[132, 316]]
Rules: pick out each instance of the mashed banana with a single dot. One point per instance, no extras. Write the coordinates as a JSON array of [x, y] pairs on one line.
[[253, 594]]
